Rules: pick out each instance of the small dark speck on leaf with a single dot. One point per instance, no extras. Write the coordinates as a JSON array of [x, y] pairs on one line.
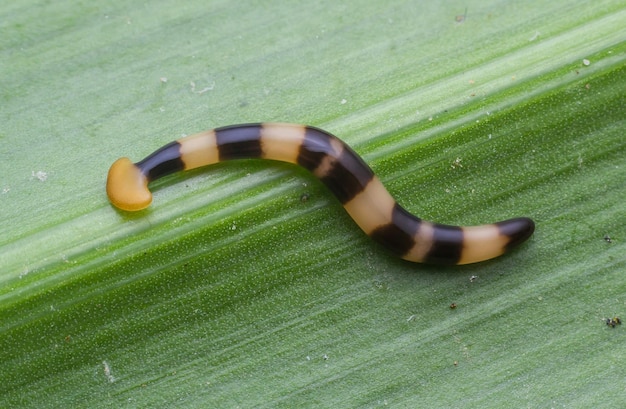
[[461, 17]]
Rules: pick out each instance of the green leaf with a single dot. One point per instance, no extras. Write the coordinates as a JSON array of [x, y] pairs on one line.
[[233, 291]]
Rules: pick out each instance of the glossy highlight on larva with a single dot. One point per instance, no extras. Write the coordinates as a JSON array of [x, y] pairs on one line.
[[338, 167]]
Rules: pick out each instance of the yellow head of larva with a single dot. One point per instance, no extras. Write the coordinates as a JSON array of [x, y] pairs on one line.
[[127, 187]]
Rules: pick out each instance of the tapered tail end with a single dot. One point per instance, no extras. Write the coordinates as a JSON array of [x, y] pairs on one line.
[[518, 230], [480, 243]]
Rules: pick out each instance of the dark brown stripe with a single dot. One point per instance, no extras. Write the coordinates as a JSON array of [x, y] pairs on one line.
[[447, 245], [315, 148], [162, 162], [239, 141], [349, 174], [517, 230], [398, 235]]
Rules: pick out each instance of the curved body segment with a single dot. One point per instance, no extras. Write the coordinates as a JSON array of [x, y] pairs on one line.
[[345, 174]]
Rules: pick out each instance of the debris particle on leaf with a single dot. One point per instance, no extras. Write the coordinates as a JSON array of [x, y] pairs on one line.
[[107, 372], [459, 18], [612, 322], [40, 174], [203, 90]]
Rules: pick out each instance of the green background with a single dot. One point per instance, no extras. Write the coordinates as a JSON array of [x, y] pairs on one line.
[[231, 291]]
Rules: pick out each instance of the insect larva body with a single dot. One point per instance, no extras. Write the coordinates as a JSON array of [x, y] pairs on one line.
[[345, 174]]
